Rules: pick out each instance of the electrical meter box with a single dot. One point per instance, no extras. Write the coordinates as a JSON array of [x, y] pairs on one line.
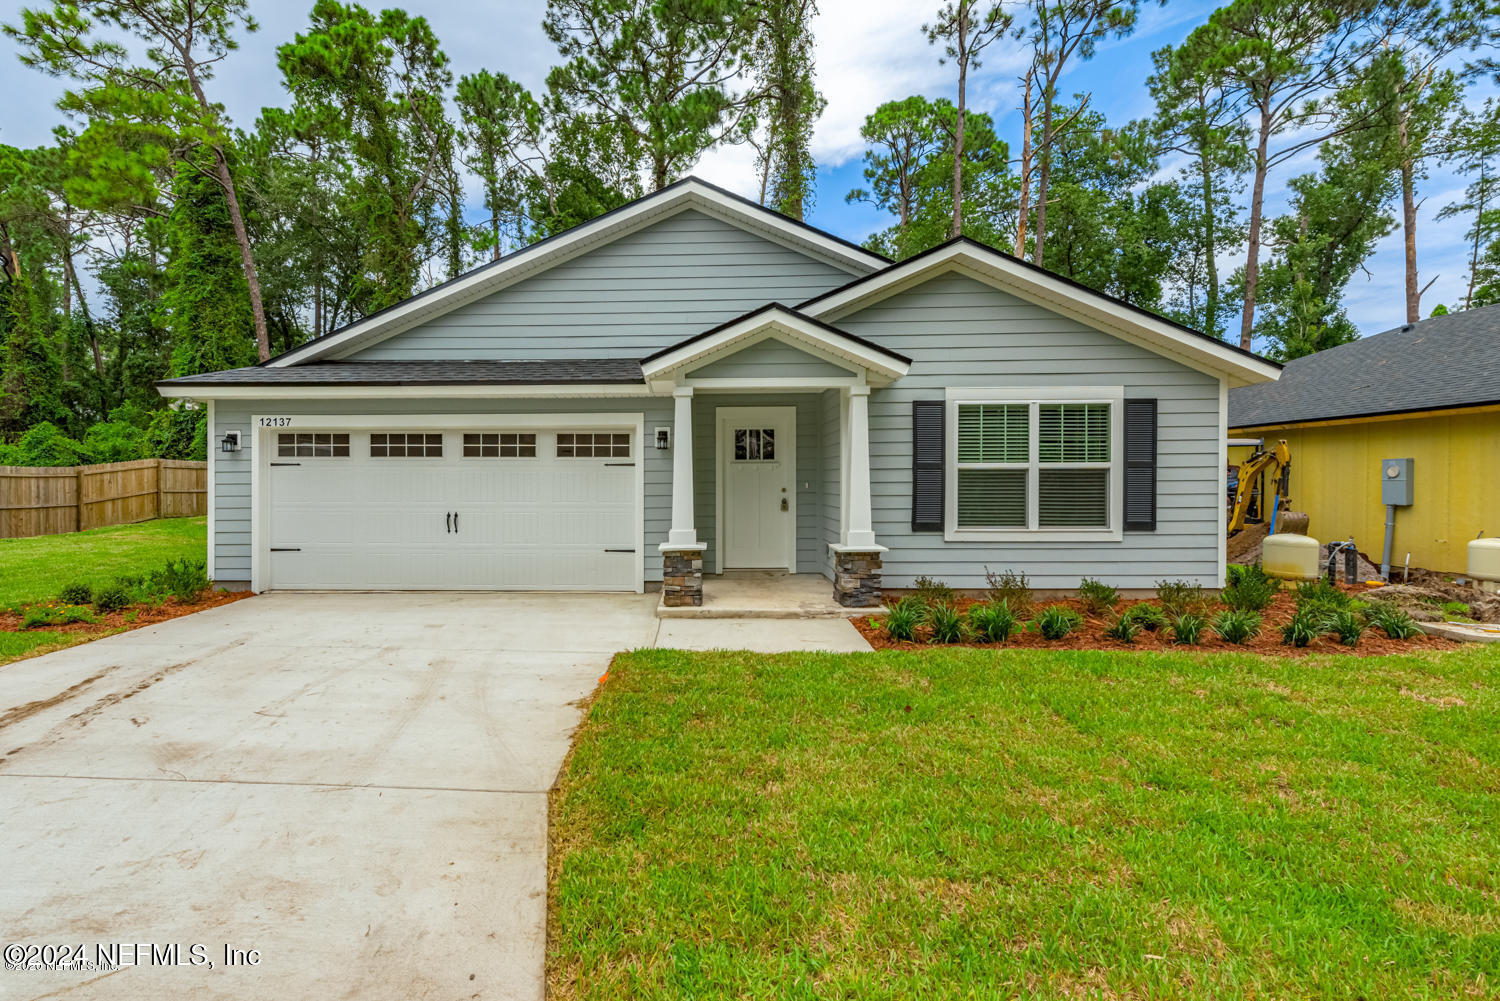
[[1395, 482]]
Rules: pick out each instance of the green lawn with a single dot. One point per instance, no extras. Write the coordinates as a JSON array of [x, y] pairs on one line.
[[34, 569], [14, 646], [969, 823]]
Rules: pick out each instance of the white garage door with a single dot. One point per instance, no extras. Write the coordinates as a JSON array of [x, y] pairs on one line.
[[399, 509]]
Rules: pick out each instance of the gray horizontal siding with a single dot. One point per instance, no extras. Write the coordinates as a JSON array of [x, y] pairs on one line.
[[960, 332], [231, 543], [626, 299], [769, 359]]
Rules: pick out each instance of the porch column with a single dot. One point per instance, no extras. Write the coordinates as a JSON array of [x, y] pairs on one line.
[[684, 531], [857, 559], [861, 528], [682, 553]]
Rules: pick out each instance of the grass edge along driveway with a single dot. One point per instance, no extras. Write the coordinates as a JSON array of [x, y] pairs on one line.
[[36, 568], [969, 823]]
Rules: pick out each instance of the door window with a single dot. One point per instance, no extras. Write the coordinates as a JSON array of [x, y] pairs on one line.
[[754, 444]]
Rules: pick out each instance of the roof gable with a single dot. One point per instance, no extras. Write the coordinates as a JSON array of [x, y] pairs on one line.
[[688, 194], [769, 358], [1054, 293]]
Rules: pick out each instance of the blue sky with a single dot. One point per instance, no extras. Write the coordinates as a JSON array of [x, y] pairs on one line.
[[868, 52]]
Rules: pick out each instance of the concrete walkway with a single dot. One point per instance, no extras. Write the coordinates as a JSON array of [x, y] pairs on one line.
[[352, 785]]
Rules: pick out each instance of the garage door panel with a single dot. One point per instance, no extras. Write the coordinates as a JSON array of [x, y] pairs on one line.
[[382, 523]]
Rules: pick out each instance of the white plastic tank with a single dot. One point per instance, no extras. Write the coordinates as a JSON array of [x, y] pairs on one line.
[[1290, 557], [1484, 563]]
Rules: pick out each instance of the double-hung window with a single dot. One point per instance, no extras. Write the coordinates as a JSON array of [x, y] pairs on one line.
[[1034, 464]]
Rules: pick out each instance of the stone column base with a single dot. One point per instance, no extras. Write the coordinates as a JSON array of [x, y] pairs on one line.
[[682, 576], [856, 575]]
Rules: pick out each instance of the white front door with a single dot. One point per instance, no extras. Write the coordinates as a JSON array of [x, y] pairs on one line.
[[757, 462]]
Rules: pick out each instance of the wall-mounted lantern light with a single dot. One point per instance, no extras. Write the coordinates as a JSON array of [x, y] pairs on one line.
[[663, 439], [230, 442]]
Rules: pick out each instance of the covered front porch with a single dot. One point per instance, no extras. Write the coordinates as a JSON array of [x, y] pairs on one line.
[[770, 446]]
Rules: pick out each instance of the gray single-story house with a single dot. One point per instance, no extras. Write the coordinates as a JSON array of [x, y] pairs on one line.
[[691, 383]]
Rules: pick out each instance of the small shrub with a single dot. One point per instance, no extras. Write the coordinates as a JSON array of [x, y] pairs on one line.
[[40, 615], [1320, 598], [184, 579], [1237, 625], [1057, 621], [905, 616], [1347, 623], [947, 624], [112, 598], [74, 613], [1251, 590], [1012, 588], [76, 594], [1123, 627], [1393, 621], [1233, 572], [1147, 616], [1187, 628], [1457, 611], [933, 592], [1178, 597], [993, 621], [1097, 596], [1303, 628]]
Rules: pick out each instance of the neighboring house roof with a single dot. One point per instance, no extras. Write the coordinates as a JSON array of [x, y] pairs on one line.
[[1435, 364], [776, 319], [688, 193], [425, 373], [1053, 292]]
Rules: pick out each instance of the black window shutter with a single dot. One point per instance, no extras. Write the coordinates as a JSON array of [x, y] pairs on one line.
[[927, 465], [1140, 465]]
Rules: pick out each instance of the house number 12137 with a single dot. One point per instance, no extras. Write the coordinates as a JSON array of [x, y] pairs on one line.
[[275, 422]]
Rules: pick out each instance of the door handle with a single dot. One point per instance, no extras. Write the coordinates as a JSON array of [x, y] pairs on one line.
[[455, 522], [448, 520]]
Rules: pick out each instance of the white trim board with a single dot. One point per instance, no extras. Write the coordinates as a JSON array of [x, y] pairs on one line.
[[689, 193], [262, 425], [1052, 293], [304, 391], [786, 326]]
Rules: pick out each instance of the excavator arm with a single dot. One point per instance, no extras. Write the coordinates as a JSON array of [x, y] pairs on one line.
[[1276, 461]]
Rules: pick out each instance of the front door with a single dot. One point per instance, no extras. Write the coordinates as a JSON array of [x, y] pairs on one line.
[[757, 456]]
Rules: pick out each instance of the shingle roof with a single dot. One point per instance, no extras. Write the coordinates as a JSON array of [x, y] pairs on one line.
[[425, 373], [1446, 361]]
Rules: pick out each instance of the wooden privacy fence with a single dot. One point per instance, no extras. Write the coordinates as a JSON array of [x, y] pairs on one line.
[[48, 500]]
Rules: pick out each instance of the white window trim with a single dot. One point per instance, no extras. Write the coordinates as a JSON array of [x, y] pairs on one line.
[[1112, 395]]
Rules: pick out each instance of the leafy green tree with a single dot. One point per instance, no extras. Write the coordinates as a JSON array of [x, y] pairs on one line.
[[785, 103], [900, 138], [1062, 31], [965, 28], [503, 127], [1196, 119], [660, 73], [143, 118], [1478, 134], [1281, 61], [374, 87], [204, 306]]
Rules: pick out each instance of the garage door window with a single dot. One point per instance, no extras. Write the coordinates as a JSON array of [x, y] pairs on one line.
[[499, 446], [397, 445], [595, 445], [304, 445]]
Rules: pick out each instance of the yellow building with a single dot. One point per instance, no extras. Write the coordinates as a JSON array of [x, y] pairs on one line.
[[1429, 392]]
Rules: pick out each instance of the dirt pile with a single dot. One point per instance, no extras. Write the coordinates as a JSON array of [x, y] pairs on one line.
[[1424, 601]]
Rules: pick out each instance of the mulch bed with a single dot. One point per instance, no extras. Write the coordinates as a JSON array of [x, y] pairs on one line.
[[133, 617], [1091, 636]]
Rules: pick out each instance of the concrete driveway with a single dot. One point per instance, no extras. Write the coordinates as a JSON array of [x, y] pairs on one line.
[[352, 785]]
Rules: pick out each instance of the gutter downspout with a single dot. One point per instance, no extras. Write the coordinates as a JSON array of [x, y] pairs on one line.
[[1390, 539]]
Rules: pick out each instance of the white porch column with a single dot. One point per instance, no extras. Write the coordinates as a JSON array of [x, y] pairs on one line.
[[684, 531], [860, 530]]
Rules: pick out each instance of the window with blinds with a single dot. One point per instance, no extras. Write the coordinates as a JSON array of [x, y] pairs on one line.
[[1033, 465]]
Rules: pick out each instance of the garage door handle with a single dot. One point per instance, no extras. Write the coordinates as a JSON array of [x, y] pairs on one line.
[[448, 520], [455, 522], [286, 549], [286, 463], [619, 550]]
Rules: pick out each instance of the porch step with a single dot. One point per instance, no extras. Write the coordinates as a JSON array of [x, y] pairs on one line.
[[754, 594]]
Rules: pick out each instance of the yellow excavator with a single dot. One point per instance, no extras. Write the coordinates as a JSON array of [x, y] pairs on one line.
[[1275, 463]]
